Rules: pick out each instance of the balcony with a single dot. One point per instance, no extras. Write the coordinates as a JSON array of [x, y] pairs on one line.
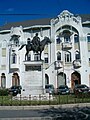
[[76, 64], [66, 46], [14, 66], [58, 64]]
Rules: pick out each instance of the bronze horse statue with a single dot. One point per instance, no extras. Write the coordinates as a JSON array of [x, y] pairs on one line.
[[30, 47]]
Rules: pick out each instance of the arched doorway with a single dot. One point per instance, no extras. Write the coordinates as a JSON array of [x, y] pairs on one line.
[[3, 80], [46, 79], [75, 79], [15, 79], [61, 79]]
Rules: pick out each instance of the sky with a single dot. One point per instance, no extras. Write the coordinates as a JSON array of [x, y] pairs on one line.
[[21, 10]]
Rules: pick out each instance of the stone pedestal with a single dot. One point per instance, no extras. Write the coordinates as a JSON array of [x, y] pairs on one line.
[[34, 78]]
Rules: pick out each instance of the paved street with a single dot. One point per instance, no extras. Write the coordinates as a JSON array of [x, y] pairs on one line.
[[74, 113]]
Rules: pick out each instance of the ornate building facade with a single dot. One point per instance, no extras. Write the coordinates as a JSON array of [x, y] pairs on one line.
[[66, 61]]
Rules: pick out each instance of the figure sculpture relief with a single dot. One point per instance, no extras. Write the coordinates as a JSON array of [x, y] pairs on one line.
[[36, 45]]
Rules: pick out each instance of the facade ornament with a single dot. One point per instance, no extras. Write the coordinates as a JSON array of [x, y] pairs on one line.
[[16, 33], [65, 13]]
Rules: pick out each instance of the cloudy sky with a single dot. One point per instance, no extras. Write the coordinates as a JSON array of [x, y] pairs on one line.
[[20, 10]]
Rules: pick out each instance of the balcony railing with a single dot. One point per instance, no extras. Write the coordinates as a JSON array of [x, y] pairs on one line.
[[58, 64], [77, 64], [12, 66]]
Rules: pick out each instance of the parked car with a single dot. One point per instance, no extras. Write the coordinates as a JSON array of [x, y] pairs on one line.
[[81, 88], [63, 89], [49, 88], [14, 90]]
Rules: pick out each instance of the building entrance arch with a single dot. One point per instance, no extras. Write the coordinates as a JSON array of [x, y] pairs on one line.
[[75, 79], [46, 79], [3, 80], [61, 79], [15, 79]]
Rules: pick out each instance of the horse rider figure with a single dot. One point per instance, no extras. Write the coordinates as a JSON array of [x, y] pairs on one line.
[[36, 43]]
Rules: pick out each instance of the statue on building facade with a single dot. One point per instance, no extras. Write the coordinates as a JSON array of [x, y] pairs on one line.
[[36, 45]]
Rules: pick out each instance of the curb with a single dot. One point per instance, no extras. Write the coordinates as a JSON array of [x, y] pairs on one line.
[[44, 106]]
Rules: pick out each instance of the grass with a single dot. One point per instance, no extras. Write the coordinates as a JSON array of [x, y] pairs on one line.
[[58, 99]]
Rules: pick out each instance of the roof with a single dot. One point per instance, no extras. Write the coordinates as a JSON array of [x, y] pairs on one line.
[[45, 21], [85, 17], [26, 23]]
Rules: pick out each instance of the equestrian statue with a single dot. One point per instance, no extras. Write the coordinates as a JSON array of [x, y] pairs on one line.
[[35, 45]]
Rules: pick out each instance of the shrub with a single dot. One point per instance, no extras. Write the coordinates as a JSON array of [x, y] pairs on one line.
[[3, 92]]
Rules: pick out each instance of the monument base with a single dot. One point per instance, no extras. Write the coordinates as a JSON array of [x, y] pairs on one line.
[[33, 82], [43, 97]]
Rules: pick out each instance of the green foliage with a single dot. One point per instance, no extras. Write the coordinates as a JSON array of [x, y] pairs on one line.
[[3, 92], [58, 99]]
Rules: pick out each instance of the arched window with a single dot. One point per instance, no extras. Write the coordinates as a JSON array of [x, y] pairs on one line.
[[77, 55], [46, 79], [58, 56], [76, 38], [68, 57], [14, 58], [66, 34]]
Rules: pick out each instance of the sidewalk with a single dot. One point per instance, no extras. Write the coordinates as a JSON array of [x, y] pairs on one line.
[[44, 106]]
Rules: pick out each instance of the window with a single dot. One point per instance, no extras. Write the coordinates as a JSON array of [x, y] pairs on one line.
[[3, 67], [36, 57], [67, 39], [46, 60], [77, 55], [14, 57], [58, 40], [67, 57], [46, 57], [3, 52], [89, 59], [16, 42], [76, 38], [88, 38], [58, 56]]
